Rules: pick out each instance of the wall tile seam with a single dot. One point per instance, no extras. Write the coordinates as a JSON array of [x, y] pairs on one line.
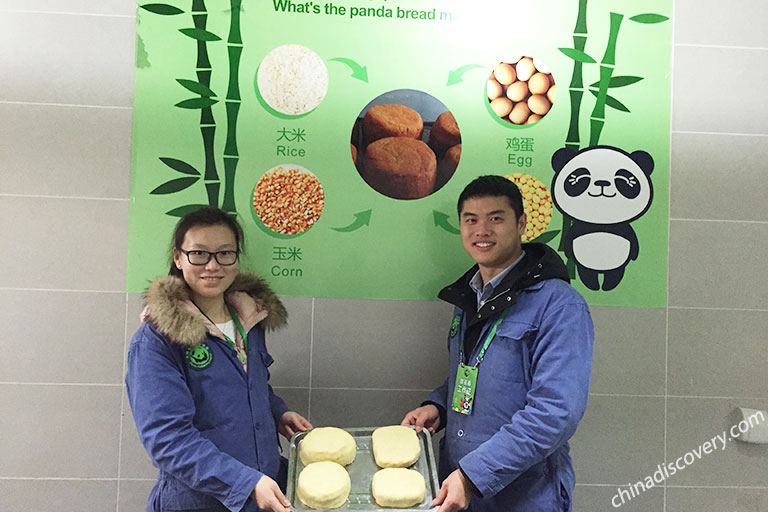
[[745, 487], [67, 13], [415, 390], [724, 221], [66, 105], [625, 395], [62, 290], [703, 308], [730, 134], [72, 384], [76, 478], [77, 198], [720, 46], [126, 300], [687, 397]]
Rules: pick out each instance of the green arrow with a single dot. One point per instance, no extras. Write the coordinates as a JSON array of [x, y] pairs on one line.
[[441, 221], [358, 71], [454, 77], [361, 219]]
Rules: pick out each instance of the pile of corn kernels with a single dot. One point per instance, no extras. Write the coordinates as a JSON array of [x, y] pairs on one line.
[[288, 201]]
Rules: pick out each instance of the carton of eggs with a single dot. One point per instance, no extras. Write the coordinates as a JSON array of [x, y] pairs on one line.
[[522, 91]]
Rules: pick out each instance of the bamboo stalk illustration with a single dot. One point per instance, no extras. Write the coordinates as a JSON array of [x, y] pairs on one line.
[[232, 102], [204, 102], [204, 70], [576, 87], [576, 94], [607, 64]]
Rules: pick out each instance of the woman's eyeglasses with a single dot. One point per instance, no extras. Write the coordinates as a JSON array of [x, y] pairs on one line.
[[203, 257]]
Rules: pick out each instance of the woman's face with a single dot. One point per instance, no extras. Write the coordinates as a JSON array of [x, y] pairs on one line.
[[208, 281]]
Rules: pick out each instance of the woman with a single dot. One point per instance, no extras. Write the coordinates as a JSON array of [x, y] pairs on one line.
[[197, 377]]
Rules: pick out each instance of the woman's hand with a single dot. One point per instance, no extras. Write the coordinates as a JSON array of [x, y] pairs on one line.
[[292, 422], [268, 496]]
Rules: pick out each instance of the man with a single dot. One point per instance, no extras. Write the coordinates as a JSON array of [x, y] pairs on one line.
[[520, 349]]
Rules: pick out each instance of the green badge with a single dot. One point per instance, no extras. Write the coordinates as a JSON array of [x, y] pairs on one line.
[[455, 325], [199, 357], [464, 392]]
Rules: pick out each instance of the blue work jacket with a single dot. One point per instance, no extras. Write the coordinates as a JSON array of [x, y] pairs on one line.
[[211, 428], [531, 392]]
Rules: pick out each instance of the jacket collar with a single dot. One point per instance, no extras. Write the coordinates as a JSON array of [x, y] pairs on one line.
[[539, 264], [170, 309]]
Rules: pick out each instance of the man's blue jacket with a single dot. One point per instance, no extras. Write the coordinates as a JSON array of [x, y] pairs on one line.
[[532, 387]]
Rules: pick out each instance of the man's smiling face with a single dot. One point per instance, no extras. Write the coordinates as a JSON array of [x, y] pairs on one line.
[[490, 232]]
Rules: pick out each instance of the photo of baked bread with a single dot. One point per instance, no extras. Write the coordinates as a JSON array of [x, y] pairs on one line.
[[398, 140]]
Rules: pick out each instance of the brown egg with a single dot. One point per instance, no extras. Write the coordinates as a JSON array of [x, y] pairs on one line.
[[519, 114], [538, 83], [504, 73], [551, 94], [502, 106], [494, 89], [533, 118], [525, 69], [517, 91], [538, 104]]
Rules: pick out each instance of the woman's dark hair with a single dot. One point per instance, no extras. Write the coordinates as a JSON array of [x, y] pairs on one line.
[[208, 216]]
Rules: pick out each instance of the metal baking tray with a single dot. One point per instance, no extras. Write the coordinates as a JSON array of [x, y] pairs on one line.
[[361, 473]]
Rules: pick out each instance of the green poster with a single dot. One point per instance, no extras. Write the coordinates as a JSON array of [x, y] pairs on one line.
[[342, 132]]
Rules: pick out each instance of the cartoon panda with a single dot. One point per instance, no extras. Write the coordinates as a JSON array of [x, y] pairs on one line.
[[603, 189]]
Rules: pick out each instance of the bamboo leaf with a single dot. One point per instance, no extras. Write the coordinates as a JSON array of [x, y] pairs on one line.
[[648, 18], [177, 185], [199, 34], [183, 210], [196, 87], [547, 236], [197, 103], [164, 9], [178, 165], [620, 81], [611, 102], [577, 55]]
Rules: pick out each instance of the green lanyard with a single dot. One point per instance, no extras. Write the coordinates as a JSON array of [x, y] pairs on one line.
[[466, 376], [243, 358], [240, 329], [487, 343]]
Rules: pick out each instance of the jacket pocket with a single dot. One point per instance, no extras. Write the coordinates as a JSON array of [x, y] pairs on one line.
[[508, 356]]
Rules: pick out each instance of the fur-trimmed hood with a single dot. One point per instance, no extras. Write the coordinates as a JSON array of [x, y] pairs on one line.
[[170, 309]]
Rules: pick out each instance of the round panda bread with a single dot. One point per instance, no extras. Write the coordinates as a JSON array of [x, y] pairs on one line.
[[391, 120], [400, 167], [327, 444], [447, 166], [444, 134], [323, 485]]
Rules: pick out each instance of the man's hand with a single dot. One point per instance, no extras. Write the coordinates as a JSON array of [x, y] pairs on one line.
[[268, 496], [454, 494], [292, 422], [426, 416]]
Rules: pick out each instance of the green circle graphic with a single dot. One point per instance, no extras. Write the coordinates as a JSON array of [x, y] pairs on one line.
[[199, 357]]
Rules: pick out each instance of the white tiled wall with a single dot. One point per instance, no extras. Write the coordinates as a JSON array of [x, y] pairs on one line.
[[664, 380]]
